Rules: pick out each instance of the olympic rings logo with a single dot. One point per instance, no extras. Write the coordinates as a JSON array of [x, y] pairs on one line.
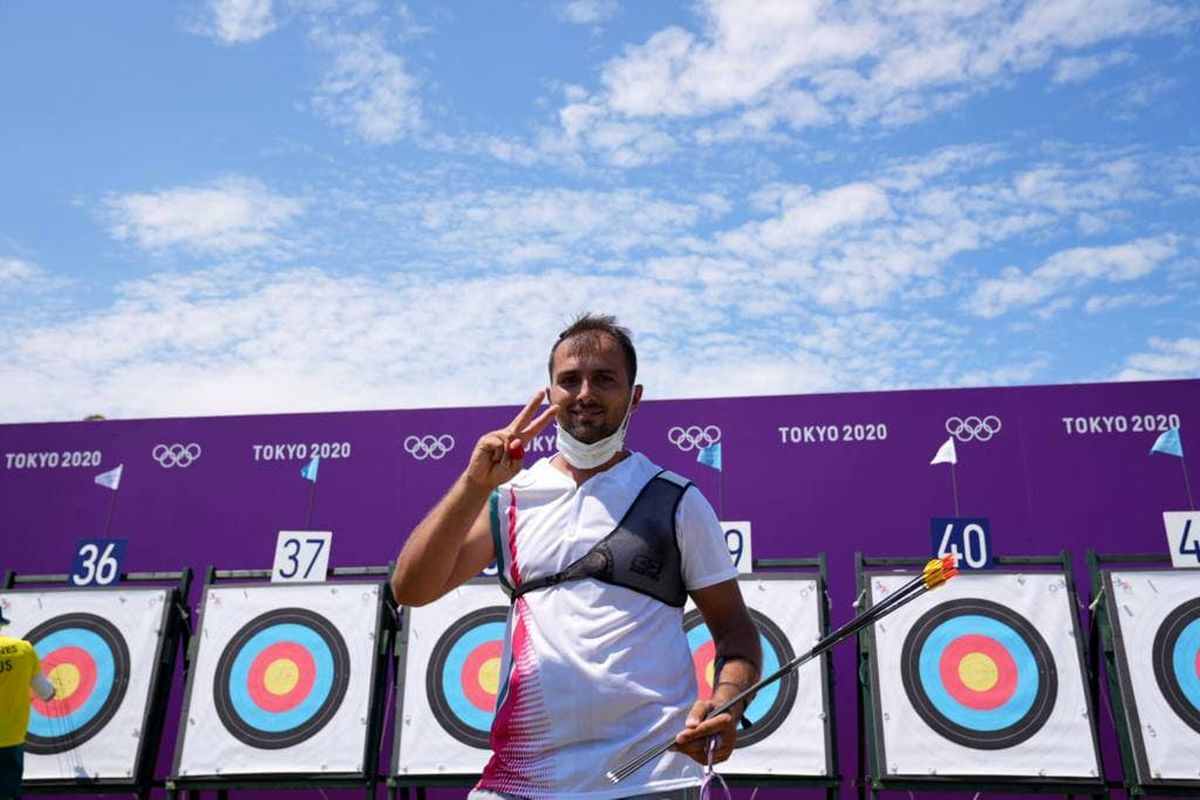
[[175, 455], [423, 447], [694, 437], [967, 428]]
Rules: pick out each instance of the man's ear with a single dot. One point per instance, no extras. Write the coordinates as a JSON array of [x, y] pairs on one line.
[[637, 397]]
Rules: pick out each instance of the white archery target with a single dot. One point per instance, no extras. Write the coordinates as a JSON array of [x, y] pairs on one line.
[[106, 644], [1140, 604], [789, 735], [448, 677], [978, 699], [271, 690]]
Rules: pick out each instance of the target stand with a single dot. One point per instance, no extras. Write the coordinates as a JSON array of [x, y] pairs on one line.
[[285, 683], [1148, 620], [978, 686], [792, 740], [110, 654], [448, 657]]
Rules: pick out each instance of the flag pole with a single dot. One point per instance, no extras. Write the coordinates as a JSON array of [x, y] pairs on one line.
[[111, 505], [954, 488], [312, 496], [1187, 484]]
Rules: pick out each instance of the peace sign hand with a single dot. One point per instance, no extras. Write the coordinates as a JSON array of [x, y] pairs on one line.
[[497, 455]]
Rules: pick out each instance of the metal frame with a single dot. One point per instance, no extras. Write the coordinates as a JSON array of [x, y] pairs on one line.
[[176, 631], [871, 776], [368, 779], [1103, 638]]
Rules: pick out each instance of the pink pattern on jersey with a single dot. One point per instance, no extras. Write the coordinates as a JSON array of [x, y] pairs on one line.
[[520, 738], [514, 574], [521, 762]]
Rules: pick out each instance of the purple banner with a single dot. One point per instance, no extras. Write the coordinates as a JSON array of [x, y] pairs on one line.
[[1049, 467]]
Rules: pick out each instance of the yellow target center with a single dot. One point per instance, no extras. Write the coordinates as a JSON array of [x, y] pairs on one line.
[[978, 672], [710, 673], [489, 676], [65, 678], [282, 676]]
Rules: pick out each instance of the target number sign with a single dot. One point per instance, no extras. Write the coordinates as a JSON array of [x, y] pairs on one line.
[[737, 540], [301, 556], [1183, 537], [968, 538], [97, 562]]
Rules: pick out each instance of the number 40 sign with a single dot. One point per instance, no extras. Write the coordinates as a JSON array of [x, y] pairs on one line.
[[301, 556], [966, 537]]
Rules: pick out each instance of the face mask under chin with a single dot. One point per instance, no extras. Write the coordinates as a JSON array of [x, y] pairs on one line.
[[582, 455]]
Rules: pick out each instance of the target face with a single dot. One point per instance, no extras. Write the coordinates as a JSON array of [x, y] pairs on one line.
[[1177, 661], [979, 674], [983, 679], [774, 702], [463, 679], [1155, 619], [281, 678], [87, 660]]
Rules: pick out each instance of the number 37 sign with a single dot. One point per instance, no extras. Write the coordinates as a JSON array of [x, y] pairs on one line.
[[966, 537]]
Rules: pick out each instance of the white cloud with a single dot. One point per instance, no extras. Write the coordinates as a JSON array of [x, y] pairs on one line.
[[1079, 69], [769, 64], [1070, 268], [588, 12], [1099, 304], [227, 215], [239, 21], [548, 225], [16, 273], [1165, 360], [366, 89]]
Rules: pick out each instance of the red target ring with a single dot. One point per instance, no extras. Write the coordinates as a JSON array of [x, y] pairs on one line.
[[74, 671], [281, 676], [978, 672], [480, 675]]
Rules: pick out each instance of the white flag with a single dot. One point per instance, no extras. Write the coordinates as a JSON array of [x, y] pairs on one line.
[[945, 453], [112, 478]]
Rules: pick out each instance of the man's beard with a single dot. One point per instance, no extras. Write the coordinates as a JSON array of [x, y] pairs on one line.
[[592, 430]]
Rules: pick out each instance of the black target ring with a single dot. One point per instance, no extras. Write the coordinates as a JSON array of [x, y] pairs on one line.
[[1034, 677], [105, 656], [457, 693], [235, 701], [774, 702], [1176, 658]]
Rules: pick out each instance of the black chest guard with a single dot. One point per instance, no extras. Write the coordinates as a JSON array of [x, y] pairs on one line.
[[640, 554]]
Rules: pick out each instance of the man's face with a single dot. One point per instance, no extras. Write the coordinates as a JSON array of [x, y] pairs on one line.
[[590, 384]]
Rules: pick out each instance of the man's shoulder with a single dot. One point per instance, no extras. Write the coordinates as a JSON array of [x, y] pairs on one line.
[[12, 646]]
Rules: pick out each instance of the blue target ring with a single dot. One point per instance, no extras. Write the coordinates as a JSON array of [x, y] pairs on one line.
[[976, 716], [1176, 658], [463, 680], [323, 677], [97, 654], [772, 703], [319, 673], [455, 673], [1006, 715]]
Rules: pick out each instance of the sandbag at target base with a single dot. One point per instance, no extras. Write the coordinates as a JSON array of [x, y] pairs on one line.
[[1149, 619], [980, 685], [285, 683], [110, 654]]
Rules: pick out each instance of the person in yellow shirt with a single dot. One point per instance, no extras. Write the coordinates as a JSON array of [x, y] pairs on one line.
[[20, 671]]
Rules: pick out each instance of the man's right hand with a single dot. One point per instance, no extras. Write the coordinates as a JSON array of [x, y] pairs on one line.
[[497, 455]]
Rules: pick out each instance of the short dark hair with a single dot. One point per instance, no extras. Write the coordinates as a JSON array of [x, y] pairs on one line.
[[592, 326]]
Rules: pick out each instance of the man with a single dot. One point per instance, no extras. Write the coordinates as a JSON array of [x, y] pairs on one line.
[[20, 671], [596, 665]]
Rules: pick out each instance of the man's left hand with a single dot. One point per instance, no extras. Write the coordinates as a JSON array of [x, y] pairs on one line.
[[693, 739]]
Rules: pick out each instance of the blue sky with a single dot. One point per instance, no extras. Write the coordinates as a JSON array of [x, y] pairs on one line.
[[250, 206]]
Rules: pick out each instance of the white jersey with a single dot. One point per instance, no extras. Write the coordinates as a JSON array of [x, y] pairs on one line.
[[593, 672]]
